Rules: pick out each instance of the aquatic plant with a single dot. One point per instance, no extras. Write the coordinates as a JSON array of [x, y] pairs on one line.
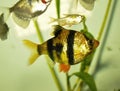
[[83, 75]]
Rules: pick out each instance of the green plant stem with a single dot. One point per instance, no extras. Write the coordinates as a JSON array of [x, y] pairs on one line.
[[55, 77], [68, 82], [99, 35], [53, 73], [76, 84], [58, 8], [37, 28], [104, 20]]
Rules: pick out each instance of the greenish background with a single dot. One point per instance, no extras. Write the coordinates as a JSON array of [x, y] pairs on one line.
[[16, 75]]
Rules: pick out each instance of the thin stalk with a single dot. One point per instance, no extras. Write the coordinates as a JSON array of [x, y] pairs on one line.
[[76, 84], [106, 33], [53, 73], [37, 28], [104, 20], [99, 35], [68, 82], [58, 8], [55, 77]]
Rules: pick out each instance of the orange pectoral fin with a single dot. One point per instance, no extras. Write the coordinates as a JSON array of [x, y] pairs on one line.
[[64, 67]]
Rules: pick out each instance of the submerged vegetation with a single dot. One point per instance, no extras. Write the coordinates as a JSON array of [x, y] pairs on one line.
[[83, 77]]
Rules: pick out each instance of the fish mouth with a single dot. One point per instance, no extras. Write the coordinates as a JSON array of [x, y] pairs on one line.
[[96, 44]]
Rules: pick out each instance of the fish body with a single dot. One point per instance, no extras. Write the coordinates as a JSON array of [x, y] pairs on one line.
[[3, 28], [24, 10], [87, 4], [69, 19], [67, 47], [29, 9]]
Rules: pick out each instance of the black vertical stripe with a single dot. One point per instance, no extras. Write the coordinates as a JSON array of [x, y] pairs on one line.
[[70, 44], [50, 48], [58, 49]]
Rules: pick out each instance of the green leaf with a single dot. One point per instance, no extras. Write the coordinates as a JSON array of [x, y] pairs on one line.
[[87, 61], [88, 79], [87, 34]]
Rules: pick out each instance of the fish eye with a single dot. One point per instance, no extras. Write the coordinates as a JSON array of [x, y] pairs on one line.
[[90, 43]]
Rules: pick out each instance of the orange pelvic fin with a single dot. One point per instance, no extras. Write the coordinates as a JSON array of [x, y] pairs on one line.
[[64, 67]]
